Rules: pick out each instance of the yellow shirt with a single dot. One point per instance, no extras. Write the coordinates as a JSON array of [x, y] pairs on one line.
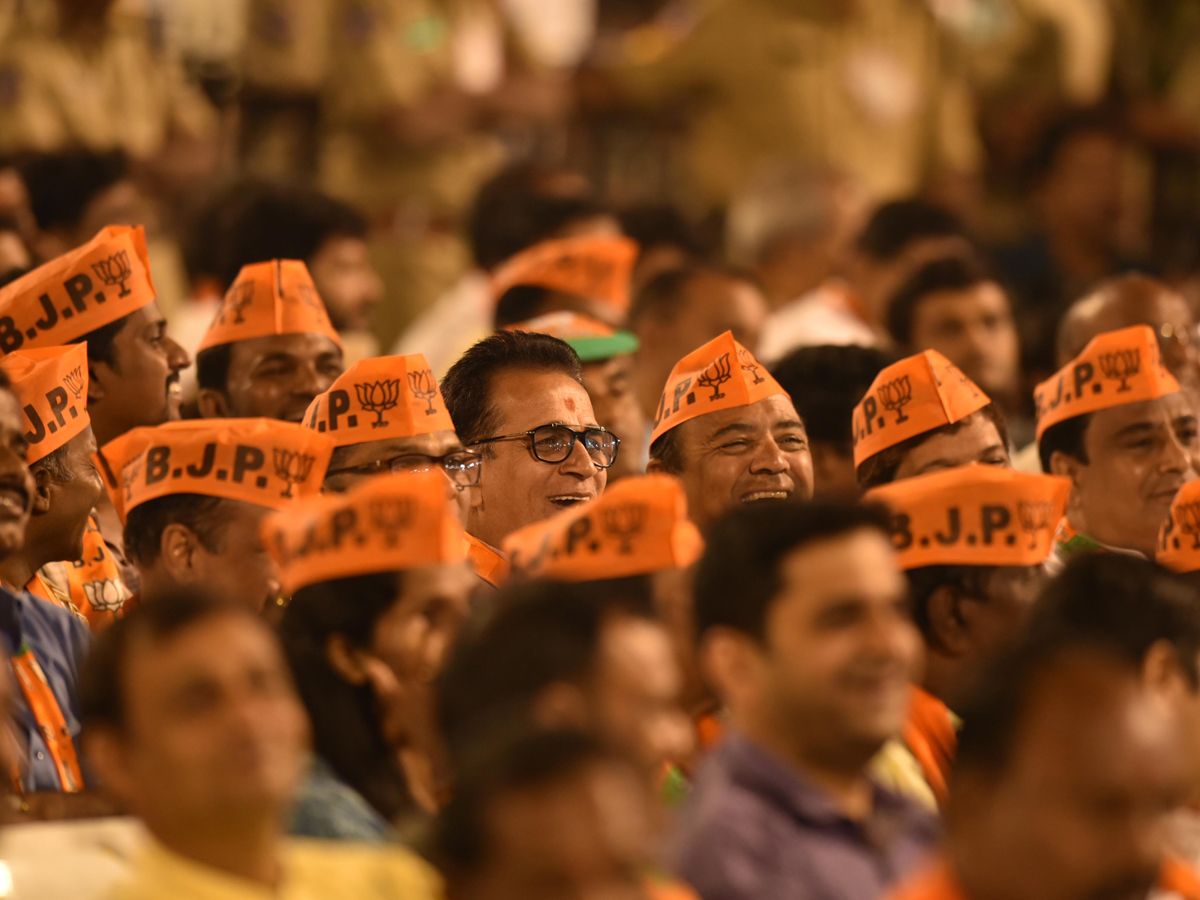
[[313, 870]]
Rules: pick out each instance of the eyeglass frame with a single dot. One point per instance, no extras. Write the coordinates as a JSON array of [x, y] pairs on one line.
[[575, 435], [383, 466]]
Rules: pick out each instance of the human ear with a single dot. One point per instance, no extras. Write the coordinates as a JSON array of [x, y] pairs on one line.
[[41, 490], [212, 404]]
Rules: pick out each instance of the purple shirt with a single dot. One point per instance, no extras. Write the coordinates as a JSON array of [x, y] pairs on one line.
[[755, 829]]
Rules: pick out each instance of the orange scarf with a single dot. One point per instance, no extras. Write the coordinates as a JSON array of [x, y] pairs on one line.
[[488, 563], [930, 736]]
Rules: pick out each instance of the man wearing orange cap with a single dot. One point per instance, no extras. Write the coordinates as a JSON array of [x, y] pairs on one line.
[[729, 432], [973, 542], [193, 494], [394, 545], [1179, 538], [922, 414], [1115, 422], [386, 414], [608, 377], [271, 348]]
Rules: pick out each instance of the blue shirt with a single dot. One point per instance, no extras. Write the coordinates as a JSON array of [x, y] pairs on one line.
[[326, 807], [59, 642], [756, 829]]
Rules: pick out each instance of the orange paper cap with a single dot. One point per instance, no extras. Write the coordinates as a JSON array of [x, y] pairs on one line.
[[78, 292], [385, 524], [599, 268], [636, 527], [720, 375], [1179, 538], [260, 461], [915, 395], [1115, 368], [268, 298], [378, 398], [974, 515], [51, 385]]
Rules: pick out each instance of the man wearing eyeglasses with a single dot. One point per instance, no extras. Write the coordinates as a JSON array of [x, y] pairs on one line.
[[386, 414], [518, 399]]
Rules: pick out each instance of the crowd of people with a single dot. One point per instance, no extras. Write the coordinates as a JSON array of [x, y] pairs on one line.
[[564, 449]]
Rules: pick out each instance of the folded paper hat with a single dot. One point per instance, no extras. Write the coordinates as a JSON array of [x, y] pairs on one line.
[[76, 293], [379, 398], [1115, 368], [269, 298], [915, 395], [592, 340], [598, 268], [51, 385], [974, 515], [720, 375], [1179, 537], [385, 524], [636, 527], [261, 461]]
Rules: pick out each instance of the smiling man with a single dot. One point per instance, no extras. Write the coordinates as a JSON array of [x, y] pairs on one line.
[[729, 432], [518, 399], [271, 349], [1115, 422]]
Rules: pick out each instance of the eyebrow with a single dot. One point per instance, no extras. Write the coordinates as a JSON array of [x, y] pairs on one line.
[[734, 428], [790, 423], [1137, 428]]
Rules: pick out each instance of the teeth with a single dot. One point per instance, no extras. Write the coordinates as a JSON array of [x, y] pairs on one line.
[[174, 388], [765, 495]]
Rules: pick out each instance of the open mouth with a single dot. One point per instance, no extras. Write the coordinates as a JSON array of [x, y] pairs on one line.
[[566, 501], [14, 502], [755, 496]]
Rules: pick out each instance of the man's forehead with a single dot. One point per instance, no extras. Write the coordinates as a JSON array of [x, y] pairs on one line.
[[1157, 413], [300, 346], [214, 647], [433, 444], [11, 417], [770, 412], [527, 399]]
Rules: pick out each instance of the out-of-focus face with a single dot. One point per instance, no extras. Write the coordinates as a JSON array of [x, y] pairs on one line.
[[877, 281], [516, 488], [977, 440], [347, 282], [974, 329], [69, 503], [610, 386], [14, 255], [275, 377], [1080, 811], [16, 484], [833, 471], [589, 835], [241, 570], [1083, 191], [214, 732], [1139, 455], [742, 455], [142, 386]]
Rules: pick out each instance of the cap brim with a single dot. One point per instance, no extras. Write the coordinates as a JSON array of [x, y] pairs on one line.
[[594, 349]]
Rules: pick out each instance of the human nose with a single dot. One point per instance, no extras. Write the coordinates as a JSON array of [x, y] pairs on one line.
[[1178, 458], [579, 461], [177, 357], [769, 457]]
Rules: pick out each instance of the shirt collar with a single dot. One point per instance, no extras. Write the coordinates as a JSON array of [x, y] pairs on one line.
[[10, 617]]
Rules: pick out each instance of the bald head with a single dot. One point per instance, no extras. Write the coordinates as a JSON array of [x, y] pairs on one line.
[[1122, 303]]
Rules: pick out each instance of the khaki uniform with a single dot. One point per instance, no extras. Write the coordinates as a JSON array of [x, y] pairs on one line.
[[868, 95]]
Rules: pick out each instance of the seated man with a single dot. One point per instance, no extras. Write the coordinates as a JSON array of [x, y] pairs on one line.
[[101, 295], [192, 721], [608, 376], [193, 494], [365, 669], [519, 399], [805, 632], [50, 385], [271, 348], [973, 542], [729, 432], [1115, 422], [386, 414]]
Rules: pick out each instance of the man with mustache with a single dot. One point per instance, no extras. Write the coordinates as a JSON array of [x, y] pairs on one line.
[[727, 430], [1115, 422], [271, 349], [806, 634]]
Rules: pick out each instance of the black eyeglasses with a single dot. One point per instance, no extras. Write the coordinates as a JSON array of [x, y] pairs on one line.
[[555, 442], [461, 466]]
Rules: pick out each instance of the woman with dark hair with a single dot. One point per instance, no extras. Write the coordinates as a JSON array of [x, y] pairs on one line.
[[378, 599]]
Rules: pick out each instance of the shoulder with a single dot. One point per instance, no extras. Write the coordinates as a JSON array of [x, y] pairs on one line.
[[361, 871], [327, 808]]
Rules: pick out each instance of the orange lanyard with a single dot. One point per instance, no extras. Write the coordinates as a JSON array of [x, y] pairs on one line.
[[49, 718]]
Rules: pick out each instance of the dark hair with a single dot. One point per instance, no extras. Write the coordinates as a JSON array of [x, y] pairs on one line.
[[101, 343], [542, 633], [204, 516], [101, 688], [519, 303], [955, 273], [55, 463], [826, 383], [1066, 437], [738, 577], [665, 451], [61, 185], [664, 225], [460, 841], [895, 225], [1124, 603], [881, 467], [467, 387], [663, 297], [1070, 125], [970, 581], [346, 729], [212, 367]]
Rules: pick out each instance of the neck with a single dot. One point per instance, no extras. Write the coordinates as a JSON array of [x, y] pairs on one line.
[[943, 674], [18, 570], [244, 848], [1079, 523]]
